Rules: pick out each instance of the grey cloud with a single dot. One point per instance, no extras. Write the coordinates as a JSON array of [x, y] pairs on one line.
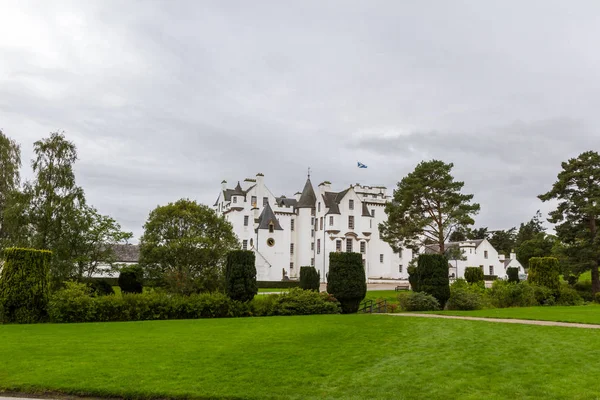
[[166, 99]]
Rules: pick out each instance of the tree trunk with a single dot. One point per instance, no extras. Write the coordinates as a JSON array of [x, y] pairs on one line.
[[595, 278]]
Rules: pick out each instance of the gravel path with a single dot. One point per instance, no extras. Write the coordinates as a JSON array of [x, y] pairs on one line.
[[503, 320]]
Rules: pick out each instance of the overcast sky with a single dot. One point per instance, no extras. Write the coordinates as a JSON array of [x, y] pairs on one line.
[[166, 99]]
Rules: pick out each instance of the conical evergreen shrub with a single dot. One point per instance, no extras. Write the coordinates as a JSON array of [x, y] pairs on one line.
[[310, 279], [346, 280], [240, 275]]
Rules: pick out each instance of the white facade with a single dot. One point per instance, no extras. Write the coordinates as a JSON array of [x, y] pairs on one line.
[[287, 233], [481, 253]]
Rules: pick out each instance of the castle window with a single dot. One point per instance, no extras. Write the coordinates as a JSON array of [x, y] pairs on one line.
[[271, 227], [351, 222], [291, 265], [312, 246], [235, 199], [349, 245], [312, 233], [253, 201], [381, 258], [265, 201], [251, 242], [319, 206], [312, 262], [318, 246], [331, 220], [372, 212], [246, 219], [491, 270], [485, 254], [338, 245], [363, 247], [351, 204], [245, 245], [312, 212], [321, 223], [400, 268], [292, 225], [370, 223]]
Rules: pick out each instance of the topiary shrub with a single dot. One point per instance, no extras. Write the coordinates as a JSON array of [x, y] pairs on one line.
[[413, 278], [544, 271], [240, 275], [346, 280], [432, 272], [131, 279], [474, 275], [101, 287], [418, 301], [24, 285], [310, 278], [513, 274]]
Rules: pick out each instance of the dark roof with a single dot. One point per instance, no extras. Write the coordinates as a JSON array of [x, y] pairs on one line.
[[126, 252], [284, 201], [227, 193], [506, 262], [308, 197], [332, 200], [238, 190], [267, 217]]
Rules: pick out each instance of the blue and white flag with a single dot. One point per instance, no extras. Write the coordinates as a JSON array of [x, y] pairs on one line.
[[361, 165]]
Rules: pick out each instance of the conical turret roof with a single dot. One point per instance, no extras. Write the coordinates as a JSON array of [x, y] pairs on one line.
[[308, 197], [267, 216]]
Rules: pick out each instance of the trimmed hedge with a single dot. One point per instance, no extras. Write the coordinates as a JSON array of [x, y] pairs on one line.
[[240, 275], [277, 284], [24, 285], [474, 275], [513, 274], [544, 271], [432, 272], [75, 304], [310, 278], [346, 280], [131, 279]]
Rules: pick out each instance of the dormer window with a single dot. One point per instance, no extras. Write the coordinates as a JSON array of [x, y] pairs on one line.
[[234, 199], [265, 201], [351, 204], [253, 201]]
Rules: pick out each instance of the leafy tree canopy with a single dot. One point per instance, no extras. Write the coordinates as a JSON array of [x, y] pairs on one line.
[[427, 206], [185, 245], [577, 190], [10, 164]]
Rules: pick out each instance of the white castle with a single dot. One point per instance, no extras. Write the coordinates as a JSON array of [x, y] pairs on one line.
[[287, 233]]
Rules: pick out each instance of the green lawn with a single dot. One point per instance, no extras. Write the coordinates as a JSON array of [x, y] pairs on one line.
[[389, 295], [589, 314], [312, 357]]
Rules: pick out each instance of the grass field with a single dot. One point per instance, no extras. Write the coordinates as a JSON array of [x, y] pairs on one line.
[[589, 314], [312, 357]]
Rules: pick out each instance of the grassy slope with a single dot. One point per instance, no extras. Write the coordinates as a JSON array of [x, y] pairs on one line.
[[345, 357], [589, 314]]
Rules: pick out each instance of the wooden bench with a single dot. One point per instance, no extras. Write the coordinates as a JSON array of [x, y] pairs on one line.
[[403, 286]]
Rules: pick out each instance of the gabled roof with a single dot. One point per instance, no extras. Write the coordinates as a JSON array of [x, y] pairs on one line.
[[126, 252], [284, 201], [238, 191], [308, 197], [267, 216], [332, 201]]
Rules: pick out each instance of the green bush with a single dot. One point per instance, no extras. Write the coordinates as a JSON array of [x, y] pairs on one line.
[[513, 274], [584, 289], [504, 294], [277, 284], [544, 271], [473, 274], [544, 295], [74, 303], [413, 278], [305, 302], [240, 275], [24, 285], [310, 279], [346, 280], [464, 296], [101, 287], [567, 296], [597, 297], [418, 301], [131, 279], [432, 272]]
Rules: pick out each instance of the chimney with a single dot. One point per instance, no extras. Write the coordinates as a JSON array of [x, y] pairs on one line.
[[223, 185], [501, 257], [260, 179], [324, 187], [297, 196], [513, 256]]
